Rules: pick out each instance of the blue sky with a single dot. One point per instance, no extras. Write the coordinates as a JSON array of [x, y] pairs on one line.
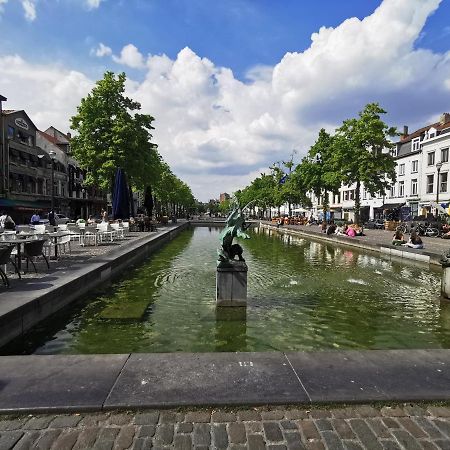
[[234, 84], [238, 34]]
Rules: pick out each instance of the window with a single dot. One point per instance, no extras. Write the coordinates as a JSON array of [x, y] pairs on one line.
[[431, 135], [414, 186], [430, 184], [401, 169], [11, 132], [443, 186], [444, 155], [414, 209], [401, 188], [346, 195], [392, 193], [352, 195], [394, 151], [431, 159], [364, 194], [416, 144], [414, 166]]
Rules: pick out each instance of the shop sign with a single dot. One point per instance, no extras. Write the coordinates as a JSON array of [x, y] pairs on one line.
[[21, 123]]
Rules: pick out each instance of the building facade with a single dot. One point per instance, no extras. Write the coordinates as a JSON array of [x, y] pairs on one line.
[[422, 180], [30, 159]]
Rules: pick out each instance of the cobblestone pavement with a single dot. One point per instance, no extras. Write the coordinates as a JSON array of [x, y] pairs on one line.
[[406, 426]]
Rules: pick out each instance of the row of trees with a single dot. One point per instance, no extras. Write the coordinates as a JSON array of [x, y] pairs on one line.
[[112, 133], [359, 153]]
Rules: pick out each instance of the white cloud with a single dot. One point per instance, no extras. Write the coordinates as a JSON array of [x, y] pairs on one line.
[[92, 4], [130, 56], [29, 7], [218, 132], [101, 50]]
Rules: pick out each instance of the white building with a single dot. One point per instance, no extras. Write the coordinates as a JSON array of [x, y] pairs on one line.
[[421, 157]]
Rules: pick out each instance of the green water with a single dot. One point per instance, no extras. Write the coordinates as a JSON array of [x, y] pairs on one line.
[[302, 295]]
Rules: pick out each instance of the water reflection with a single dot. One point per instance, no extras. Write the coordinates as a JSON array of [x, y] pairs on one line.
[[302, 295]]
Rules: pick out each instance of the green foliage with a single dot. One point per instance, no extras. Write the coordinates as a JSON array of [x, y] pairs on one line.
[[111, 133], [362, 153]]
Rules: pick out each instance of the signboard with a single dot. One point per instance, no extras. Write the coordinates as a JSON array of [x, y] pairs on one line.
[[21, 123], [405, 213]]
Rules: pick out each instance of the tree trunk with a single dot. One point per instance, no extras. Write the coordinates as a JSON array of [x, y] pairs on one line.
[[325, 204], [357, 202]]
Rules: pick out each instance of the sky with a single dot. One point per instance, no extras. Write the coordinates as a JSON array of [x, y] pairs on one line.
[[234, 85]]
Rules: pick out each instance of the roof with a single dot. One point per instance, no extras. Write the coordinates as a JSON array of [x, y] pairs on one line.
[[3, 99], [9, 111], [438, 125], [49, 137]]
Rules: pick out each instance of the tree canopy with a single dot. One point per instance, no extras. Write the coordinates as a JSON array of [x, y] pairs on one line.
[[111, 134]]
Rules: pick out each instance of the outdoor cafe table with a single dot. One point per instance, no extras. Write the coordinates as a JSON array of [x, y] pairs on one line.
[[18, 240], [55, 235]]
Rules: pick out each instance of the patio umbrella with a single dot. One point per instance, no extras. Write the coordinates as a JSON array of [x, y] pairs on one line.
[[121, 200], [148, 200]]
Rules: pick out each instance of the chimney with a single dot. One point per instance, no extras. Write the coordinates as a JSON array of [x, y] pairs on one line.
[[405, 131], [69, 136], [445, 117]]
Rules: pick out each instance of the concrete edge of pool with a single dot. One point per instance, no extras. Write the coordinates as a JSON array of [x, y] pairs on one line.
[[40, 384], [22, 309], [384, 250], [50, 383]]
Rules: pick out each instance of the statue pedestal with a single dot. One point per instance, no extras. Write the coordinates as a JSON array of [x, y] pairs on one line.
[[445, 285], [231, 284]]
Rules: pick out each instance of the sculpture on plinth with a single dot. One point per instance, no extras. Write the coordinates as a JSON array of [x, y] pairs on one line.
[[235, 227], [231, 277]]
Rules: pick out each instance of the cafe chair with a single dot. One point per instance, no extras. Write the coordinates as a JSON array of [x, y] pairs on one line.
[[5, 258], [33, 250]]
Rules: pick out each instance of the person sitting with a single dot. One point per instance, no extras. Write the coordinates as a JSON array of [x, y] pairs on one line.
[[341, 231], [91, 220], [350, 232], [9, 224], [324, 226], [414, 240], [331, 229], [398, 238]]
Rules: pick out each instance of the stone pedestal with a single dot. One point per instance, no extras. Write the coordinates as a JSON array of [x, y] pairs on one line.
[[445, 285], [231, 285]]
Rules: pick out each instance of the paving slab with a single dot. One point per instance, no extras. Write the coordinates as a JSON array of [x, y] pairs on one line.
[[57, 382], [362, 376], [152, 380]]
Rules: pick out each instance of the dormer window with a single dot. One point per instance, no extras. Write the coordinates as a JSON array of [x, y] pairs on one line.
[[416, 144]]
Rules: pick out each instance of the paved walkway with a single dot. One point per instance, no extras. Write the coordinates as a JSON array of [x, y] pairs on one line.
[[406, 426]]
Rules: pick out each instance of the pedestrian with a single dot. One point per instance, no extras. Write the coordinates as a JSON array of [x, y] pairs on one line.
[[35, 218], [52, 218], [104, 216]]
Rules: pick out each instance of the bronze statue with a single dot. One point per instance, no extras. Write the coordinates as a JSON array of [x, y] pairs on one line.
[[235, 227]]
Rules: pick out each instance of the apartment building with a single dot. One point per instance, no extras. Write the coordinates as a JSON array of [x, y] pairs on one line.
[[28, 159], [422, 185]]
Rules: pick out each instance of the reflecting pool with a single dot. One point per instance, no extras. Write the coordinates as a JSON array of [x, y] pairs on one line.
[[302, 295]]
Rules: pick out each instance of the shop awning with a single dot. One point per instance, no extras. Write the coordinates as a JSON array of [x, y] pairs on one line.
[[23, 204], [393, 205]]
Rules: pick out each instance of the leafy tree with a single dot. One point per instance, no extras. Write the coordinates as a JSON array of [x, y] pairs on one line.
[[362, 153], [111, 134], [316, 171]]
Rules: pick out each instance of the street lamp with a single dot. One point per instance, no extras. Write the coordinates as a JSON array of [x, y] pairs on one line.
[[52, 155], [438, 167]]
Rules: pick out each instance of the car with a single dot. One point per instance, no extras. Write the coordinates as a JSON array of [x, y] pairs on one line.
[[374, 224], [59, 219]]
